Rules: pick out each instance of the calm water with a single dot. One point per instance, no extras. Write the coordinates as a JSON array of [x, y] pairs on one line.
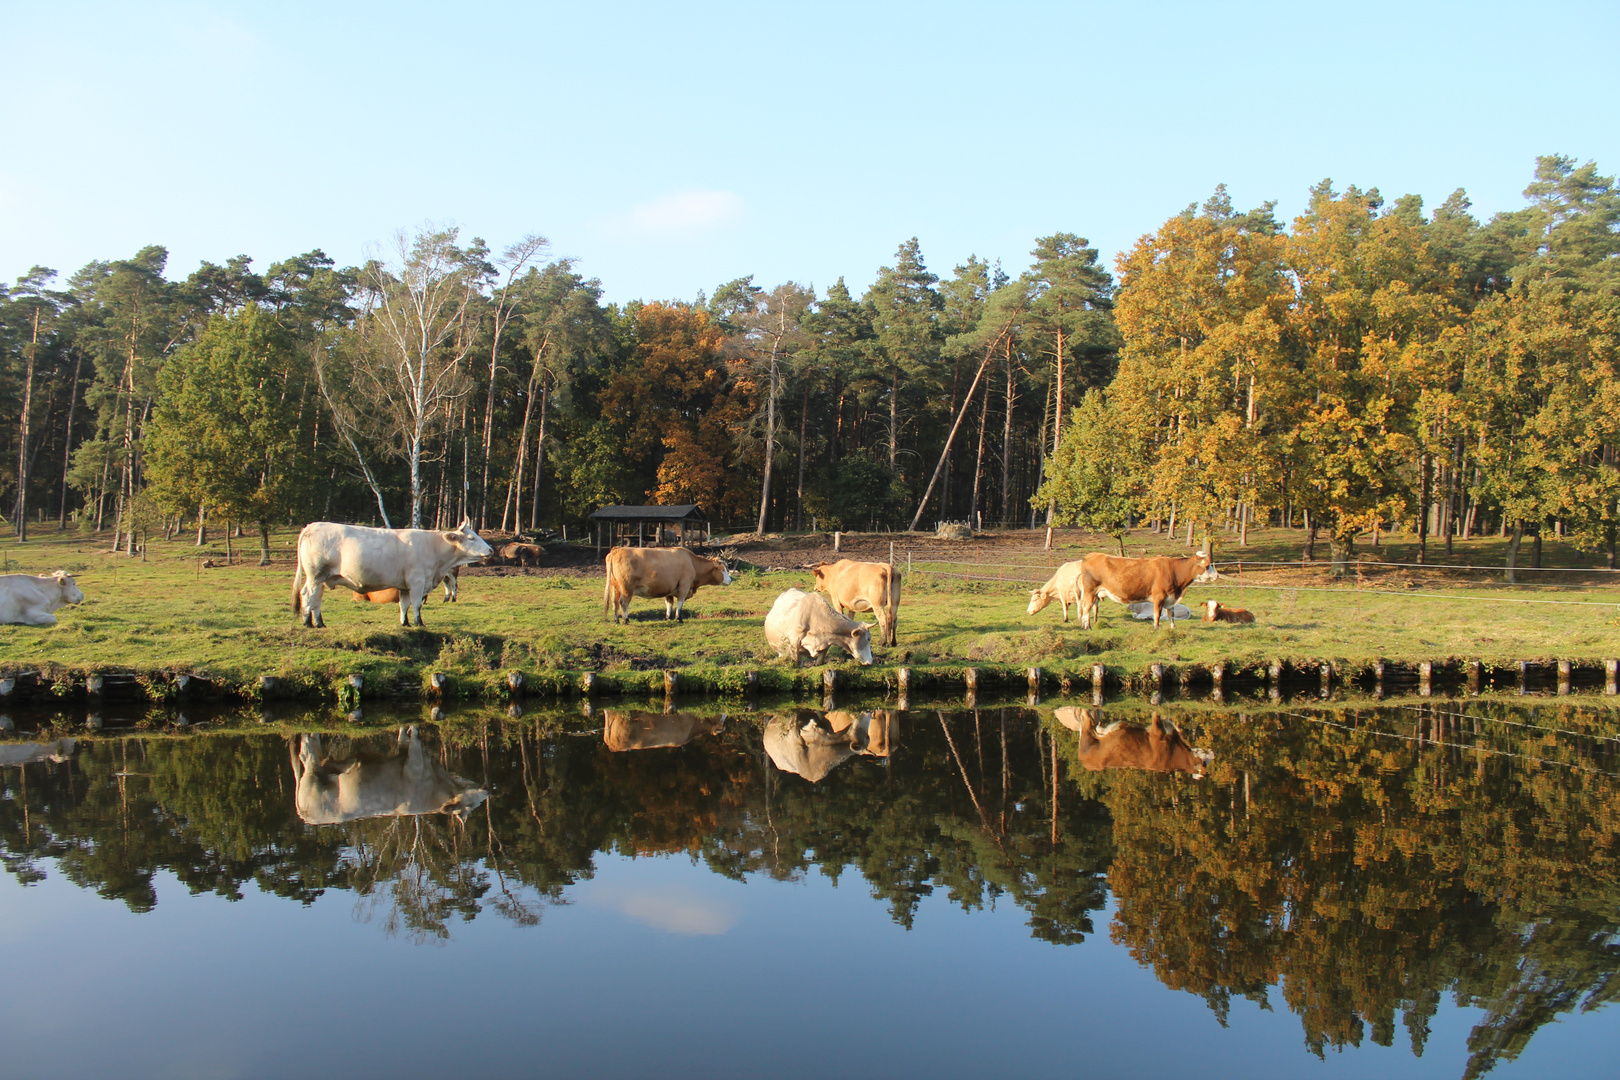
[[1378, 892]]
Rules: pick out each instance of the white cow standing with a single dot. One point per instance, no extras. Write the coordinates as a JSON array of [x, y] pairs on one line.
[[365, 560], [801, 624], [29, 599]]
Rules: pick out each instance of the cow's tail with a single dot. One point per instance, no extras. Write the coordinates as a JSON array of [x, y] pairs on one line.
[[298, 592], [607, 592]]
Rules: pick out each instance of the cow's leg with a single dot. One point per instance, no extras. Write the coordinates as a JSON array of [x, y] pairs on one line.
[[314, 589], [404, 607], [680, 605], [669, 608]]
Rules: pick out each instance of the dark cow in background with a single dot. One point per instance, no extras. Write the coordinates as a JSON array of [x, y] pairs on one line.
[[1159, 747], [1160, 581]]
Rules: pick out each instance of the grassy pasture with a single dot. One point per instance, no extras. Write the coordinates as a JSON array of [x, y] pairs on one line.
[[234, 623]]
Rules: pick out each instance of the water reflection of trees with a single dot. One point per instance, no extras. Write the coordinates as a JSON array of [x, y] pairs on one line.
[[1357, 867]]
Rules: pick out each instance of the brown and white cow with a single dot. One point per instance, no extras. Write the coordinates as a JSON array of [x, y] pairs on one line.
[[1159, 747], [864, 586], [365, 560], [801, 624], [1215, 611], [1063, 586], [670, 574], [633, 729], [1160, 581], [403, 782], [29, 599]]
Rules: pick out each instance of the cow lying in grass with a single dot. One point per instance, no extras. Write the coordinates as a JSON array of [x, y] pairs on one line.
[[29, 599], [1215, 611]]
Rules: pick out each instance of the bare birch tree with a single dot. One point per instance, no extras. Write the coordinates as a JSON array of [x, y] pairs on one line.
[[419, 326]]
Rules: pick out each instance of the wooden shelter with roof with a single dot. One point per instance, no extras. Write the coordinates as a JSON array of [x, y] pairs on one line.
[[644, 525]]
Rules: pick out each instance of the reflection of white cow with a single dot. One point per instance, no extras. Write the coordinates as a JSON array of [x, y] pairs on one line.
[[812, 745], [29, 599], [33, 753], [405, 782]]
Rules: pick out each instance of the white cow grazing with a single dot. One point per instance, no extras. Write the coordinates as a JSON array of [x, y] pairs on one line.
[[364, 559], [29, 599], [403, 783], [802, 624]]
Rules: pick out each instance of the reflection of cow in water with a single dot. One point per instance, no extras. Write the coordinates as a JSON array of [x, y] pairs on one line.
[[1159, 747], [403, 782], [636, 730], [33, 753], [812, 745]]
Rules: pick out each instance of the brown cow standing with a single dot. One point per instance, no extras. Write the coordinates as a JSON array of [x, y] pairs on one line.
[[1159, 747], [1161, 581], [633, 729], [1215, 611], [670, 574], [864, 586]]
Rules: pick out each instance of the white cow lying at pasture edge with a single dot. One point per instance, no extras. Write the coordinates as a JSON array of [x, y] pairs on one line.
[[29, 599], [366, 559]]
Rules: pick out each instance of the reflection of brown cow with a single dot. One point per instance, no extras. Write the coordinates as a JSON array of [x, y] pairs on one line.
[[1160, 581], [670, 574], [811, 744], [636, 730], [404, 782], [864, 586], [1158, 747]]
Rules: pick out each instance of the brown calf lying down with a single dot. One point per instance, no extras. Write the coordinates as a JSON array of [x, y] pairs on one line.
[[518, 554], [1159, 747], [1215, 611]]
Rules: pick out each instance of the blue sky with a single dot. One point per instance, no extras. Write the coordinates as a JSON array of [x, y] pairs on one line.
[[670, 147]]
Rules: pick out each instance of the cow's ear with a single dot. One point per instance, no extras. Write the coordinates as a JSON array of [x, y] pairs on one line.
[[453, 537]]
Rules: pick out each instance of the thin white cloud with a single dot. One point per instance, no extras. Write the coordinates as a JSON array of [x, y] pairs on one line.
[[674, 911], [680, 212]]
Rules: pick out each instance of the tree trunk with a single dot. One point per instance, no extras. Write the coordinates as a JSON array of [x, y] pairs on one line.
[[1423, 509], [1341, 549], [1535, 546], [978, 460], [22, 434], [894, 423], [202, 526], [67, 437], [1610, 537], [804, 414], [1006, 442], [264, 543], [539, 459], [944, 454], [770, 447], [1309, 555], [1513, 550]]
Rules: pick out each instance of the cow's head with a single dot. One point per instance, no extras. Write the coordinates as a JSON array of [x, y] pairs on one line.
[[1195, 762], [1207, 574], [1038, 599], [1211, 608], [711, 571], [860, 644], [468, 542], [820, 570], [70, 590]]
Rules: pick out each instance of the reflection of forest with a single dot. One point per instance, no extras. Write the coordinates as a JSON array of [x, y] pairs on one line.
[[1362, 864]]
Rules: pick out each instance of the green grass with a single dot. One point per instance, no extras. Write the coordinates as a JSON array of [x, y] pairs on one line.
[[234, 624]]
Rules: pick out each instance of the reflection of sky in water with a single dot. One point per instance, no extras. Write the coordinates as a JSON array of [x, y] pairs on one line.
[[807, 980]]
